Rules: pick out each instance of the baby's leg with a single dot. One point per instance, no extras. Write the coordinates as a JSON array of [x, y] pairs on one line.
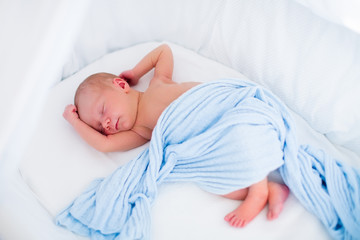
[[255, 198], [278, 193]]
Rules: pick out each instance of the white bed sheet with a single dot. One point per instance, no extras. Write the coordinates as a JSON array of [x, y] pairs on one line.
[[59, 164]]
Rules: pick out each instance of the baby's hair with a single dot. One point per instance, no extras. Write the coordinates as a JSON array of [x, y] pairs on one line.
[[97, 81]]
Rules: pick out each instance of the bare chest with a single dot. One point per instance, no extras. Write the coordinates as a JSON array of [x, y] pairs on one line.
[[155, 101]]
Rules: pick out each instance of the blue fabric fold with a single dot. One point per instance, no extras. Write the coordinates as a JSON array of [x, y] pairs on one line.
[[223, 135]]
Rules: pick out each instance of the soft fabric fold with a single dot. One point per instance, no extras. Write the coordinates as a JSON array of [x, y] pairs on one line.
[[223, 135]]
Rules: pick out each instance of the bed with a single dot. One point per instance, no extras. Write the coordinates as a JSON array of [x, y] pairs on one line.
[[306, 53]]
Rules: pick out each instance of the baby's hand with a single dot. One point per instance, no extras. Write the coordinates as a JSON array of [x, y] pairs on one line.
[[70, 113], [129, 76]]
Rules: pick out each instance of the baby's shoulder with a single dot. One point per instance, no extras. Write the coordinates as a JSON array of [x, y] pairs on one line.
[[161, 87], [168, 92], [161, 80]]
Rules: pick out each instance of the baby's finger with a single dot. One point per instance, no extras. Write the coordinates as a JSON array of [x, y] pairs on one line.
[[74, 108]]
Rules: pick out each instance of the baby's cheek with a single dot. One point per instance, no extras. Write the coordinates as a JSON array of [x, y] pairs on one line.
[[126, 125]]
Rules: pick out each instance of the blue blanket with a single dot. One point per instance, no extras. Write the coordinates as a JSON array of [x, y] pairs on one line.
[[223, 136]]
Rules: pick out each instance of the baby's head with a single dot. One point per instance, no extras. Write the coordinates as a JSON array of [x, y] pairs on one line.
[[106, 103], [94, 83]]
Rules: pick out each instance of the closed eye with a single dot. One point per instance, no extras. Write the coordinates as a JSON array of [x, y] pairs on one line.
[[101, 129], [103, 109]]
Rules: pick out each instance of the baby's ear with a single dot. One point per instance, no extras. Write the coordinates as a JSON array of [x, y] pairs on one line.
[[121, 83]]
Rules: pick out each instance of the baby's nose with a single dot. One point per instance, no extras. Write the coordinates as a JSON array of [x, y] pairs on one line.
[[106, 123]]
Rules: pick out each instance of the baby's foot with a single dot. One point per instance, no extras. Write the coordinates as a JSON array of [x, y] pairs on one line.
[[278, 193], [238, 219], [255, 200]]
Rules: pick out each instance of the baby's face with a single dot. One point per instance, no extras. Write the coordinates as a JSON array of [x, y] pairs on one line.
[[107, 111]]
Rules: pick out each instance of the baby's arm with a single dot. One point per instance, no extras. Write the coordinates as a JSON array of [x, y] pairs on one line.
[[121, 141], [161, 58]]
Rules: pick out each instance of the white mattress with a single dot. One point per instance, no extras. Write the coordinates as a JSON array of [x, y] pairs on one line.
[[58, 164]]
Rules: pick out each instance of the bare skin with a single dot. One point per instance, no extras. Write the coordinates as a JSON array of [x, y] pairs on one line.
[[119, 118], [278, 193], [254, 199]]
